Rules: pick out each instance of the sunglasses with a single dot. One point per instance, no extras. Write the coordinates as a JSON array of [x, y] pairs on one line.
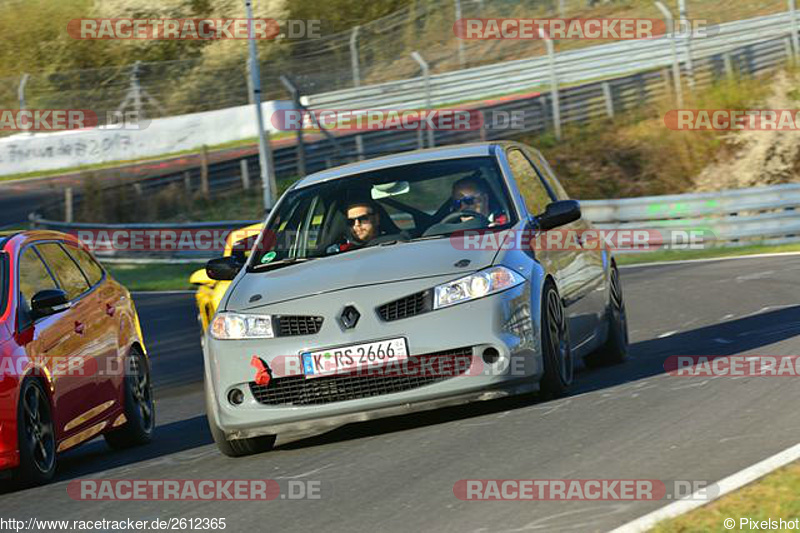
[[363, 219], [467, 200]]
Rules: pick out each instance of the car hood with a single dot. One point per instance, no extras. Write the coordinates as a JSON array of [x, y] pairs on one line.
[[370, 266]]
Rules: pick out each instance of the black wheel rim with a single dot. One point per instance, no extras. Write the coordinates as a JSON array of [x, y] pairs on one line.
[[39, 429], [141, 392], [559, 340], [618, 307]]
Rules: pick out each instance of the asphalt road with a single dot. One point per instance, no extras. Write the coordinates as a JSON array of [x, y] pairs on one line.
[[627, 422]]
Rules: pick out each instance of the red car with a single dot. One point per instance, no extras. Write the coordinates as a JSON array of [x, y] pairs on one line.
[[73, 364]]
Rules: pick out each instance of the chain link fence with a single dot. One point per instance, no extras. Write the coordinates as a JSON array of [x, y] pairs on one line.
[[375, 52]]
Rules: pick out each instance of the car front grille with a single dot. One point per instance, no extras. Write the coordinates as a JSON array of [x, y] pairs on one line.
[[298, 390], [409, 306], [293, 325]]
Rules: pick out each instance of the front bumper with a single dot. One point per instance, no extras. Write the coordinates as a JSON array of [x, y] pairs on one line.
[[506, 322]]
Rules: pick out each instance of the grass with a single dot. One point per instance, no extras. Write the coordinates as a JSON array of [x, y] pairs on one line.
[[774, 497], [710, 253], [153, 277]]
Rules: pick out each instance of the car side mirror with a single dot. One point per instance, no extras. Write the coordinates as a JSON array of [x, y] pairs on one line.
[[223, 268], [49, 302], [559, 214]]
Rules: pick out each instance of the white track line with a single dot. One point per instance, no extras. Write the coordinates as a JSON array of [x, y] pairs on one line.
[[726, 486], [685, 261]]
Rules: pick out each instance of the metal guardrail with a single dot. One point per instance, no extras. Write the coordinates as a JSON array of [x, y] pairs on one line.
[[578, 104], [75, 228], [575, 66], [763, 215]]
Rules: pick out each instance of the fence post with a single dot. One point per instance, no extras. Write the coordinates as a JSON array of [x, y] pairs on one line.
[[426, 76], [245, 174], [356, 66], [204, 171], [21, 90], [609, 98], [795, 28], [553, 81], [683, 14], [68, 206], [187, 182], [676, 62], [461, 60]]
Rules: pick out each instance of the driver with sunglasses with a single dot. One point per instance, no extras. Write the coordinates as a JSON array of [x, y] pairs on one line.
[[472, 194], [363, 223]]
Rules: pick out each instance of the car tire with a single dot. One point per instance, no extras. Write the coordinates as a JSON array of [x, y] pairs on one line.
[[235, 447], [615, 349], [556, 350], [139, 408], [36, 435]]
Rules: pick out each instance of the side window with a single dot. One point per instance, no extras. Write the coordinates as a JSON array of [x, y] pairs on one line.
[[548, 174], [67, 273], [33, 276], [93, 271], [533, 190]]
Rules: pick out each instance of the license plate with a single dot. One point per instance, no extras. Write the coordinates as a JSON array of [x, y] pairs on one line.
[[346, 359]]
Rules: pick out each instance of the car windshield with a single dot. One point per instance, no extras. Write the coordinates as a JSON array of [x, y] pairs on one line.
[[397, 204]]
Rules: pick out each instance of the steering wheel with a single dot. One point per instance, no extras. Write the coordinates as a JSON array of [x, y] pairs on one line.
[[458, 215]]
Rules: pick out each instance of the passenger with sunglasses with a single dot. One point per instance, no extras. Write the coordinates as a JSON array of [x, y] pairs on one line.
[[472, 194]]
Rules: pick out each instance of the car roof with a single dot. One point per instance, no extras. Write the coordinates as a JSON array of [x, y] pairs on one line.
[[403, 158], [20, 237]]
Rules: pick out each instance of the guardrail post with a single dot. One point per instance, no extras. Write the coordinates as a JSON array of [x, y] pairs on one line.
[[204, 171], [553, 82], [68, 207], [609, 98], [728, 61], [245, 174]]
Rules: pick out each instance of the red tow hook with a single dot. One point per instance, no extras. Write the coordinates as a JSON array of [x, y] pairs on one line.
[[262, 371]]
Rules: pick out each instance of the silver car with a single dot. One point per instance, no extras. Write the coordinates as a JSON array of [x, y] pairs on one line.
[[402, 284]]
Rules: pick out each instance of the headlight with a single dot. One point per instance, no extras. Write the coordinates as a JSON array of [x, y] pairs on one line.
[[477, 285], [228, 326]]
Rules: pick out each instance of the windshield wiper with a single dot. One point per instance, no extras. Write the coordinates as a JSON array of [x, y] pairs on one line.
[[278, 264], [430, 237]]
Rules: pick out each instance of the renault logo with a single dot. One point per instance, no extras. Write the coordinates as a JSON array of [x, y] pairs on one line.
[[350, 317]]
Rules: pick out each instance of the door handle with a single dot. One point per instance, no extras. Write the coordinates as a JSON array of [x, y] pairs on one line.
[[110, 309], [79, 328]]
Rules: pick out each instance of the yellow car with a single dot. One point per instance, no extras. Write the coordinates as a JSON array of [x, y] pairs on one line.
[[210, 292]]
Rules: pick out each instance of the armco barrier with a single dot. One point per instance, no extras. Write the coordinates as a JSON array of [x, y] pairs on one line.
[[763, 215], [579, 104]]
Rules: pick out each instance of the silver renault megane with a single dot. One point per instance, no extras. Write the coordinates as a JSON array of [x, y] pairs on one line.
[[400, 284]]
